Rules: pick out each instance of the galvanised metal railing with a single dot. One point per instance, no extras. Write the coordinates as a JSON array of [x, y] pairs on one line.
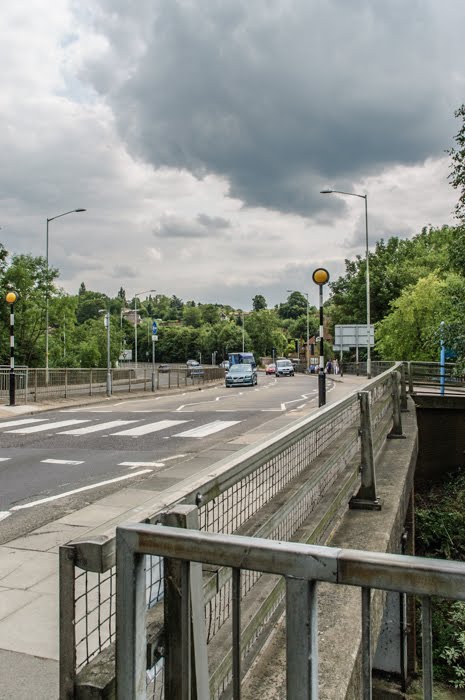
[[266, 490], [34, 385], [302, 567]]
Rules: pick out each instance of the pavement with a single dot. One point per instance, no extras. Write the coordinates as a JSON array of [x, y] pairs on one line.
[[29, 612]]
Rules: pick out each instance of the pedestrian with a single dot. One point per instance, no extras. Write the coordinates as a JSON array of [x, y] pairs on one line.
[[336, 367], [329, 367]]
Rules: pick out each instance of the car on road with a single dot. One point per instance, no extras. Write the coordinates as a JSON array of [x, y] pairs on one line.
[[270, 369], [284, 368], [240, 375], [194, 368], [195, 371], [163, 368]]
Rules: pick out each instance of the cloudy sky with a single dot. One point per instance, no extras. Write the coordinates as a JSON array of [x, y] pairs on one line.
[[199, 133]]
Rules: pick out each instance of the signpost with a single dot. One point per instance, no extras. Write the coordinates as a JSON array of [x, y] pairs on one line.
[[352, 335]]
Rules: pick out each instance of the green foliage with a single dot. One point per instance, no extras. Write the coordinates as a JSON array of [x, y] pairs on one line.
[[457, 174], [440, 533], [258, 302], [411, 329], [295, 306]]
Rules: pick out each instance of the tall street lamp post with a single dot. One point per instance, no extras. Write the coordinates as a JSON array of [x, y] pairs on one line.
[[52, 218], [137, 294], [365, 197], [307, 354]]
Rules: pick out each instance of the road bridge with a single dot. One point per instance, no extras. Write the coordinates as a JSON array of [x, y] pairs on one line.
[[293, 485]]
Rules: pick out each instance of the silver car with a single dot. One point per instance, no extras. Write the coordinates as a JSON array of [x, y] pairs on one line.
[[284, 368], [240, 375]]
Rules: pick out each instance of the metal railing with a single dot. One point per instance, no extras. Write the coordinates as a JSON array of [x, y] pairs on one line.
[[34, 385], [267, 490], [301, 566]]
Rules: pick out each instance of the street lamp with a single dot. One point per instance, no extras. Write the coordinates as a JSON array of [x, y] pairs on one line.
[[137, 294], [307, 354], [106, 321], [365, 197], [52, 218]]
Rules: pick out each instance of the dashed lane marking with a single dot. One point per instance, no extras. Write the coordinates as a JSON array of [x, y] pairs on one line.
[[61, 461]]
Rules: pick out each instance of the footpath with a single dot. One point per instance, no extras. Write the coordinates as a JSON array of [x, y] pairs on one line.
[[29, 574]]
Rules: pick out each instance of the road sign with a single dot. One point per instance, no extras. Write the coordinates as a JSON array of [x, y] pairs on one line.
[[352, 336], [154, 336], [154, 328]]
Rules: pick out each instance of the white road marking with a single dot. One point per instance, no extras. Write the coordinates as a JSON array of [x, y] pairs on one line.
[[208, 429], [23, 421], [80, 490], [48, 426], [95, 428], [4, 514], [133, 465], [150, 428], [4, 459], [60, 461], [166, 459]]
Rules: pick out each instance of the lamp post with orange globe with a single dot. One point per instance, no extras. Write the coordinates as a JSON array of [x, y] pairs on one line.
[[321, 277], [10, 298]]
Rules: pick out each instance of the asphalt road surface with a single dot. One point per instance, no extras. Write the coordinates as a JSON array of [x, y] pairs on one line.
[[54, 462]]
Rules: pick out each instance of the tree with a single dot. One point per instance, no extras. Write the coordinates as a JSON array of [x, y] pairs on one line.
[[412, 329], [28, 276], [295, 306], [457, 174], [258, 302]]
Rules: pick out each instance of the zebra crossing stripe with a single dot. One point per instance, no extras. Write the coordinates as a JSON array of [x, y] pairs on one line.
[[22, 421], [95, 428], [149, 428], [48, 426], [208, 428]]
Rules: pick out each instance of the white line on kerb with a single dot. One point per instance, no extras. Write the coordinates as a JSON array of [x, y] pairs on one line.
[[83, 488], [4, 514]]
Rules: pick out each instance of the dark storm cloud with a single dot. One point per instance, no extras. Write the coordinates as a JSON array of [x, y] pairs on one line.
[[283, 97]]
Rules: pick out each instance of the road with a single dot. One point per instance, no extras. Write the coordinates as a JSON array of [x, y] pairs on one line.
[[52, 463]]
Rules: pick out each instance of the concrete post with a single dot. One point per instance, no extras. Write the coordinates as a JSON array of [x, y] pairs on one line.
[[396, 430], [366, 498]]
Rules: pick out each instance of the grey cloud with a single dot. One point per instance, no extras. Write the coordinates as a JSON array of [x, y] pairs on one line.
[[124, 272], [282, 97], [203, 226], [213, 222]]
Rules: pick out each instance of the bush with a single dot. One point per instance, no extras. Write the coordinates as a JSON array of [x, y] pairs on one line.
[[440, 533]]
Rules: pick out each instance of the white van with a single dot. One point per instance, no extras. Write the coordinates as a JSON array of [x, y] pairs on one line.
[[284, 368]]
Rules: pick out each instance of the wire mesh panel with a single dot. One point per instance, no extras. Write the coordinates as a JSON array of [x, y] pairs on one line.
[[95, 621]]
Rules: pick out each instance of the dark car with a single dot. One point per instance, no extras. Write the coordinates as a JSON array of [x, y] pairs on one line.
[[240, 375], [163, 368]]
